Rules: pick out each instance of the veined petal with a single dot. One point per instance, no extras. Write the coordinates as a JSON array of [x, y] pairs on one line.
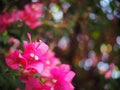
[[42, 47]]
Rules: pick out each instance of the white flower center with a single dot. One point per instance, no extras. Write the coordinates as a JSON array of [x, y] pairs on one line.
[[32, 55], [36, 58], [47, 62], [54, 80]]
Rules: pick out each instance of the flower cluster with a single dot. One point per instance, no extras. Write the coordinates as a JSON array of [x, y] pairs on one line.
[[39, 69], [30, 16]]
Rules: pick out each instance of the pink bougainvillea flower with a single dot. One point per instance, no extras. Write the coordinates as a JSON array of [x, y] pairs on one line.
[[37, 59], [61, 77], [62, 85], [32, 14], [35, 67], [41, 46], [50, 61], [49, 65], [14, 59], [33, 23], [35, 9], [35, 51], [33, 54], [16, 15], [6, 18], [4, 23], [66, 74]]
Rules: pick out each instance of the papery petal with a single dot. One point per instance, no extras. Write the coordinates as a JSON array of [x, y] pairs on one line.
[[32, 83], [50, 54], [42, 47], [4, 23], [28, 47], [29, 36], [6, 18], [25, 43], [46, 72], [62, 85], [15, 16], [57, 73], [36, 66], [71, 86], [33, 24], [56, 61], [23, 61], [65, 67], [69, 76], [12, 60], [32, 14]]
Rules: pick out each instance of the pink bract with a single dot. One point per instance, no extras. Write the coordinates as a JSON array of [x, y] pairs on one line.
[[35, 9], [39, 68], [61, 77], [13, 60], [16, 15], [4, 23], [3, 26], [32, 14]]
